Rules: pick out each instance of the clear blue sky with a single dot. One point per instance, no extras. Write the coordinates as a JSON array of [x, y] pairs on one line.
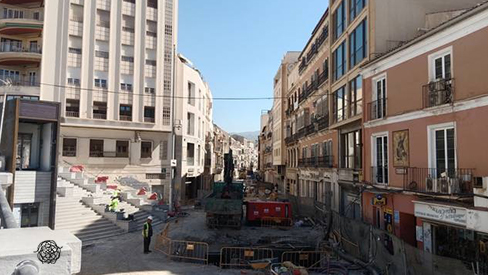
[[238, 46]]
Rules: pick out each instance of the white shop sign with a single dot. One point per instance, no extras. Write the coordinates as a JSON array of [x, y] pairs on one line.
[[443, 213]]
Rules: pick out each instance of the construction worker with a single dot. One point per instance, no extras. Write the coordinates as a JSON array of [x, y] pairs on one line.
[[113, 204], [147, 234]]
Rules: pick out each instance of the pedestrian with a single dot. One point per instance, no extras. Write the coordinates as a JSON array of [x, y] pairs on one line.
[[114, 203], [147, 234]]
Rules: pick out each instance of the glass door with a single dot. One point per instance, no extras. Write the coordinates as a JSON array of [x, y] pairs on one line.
[[29, 215], [24, 143]]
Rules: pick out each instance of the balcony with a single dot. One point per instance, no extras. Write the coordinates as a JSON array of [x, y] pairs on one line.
[[72, 114], [309, 129], [438, 92], [125, 118], [103, 5], [377, 109], [14, 53], [326, 161], [323, 76], [323, 122], [317, 162], [128, 8], [21, 21], [99, 116], [439, 181], [149, 119]]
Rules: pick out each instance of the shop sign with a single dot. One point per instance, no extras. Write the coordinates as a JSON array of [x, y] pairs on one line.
[[379, 200], [442, 213]]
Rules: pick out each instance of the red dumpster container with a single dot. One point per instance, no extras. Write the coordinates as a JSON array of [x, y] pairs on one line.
[[259, 209]]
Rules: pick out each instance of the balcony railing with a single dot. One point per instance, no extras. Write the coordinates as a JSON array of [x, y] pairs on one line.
[[377, 109], [439, 181], [125, 118], [18, 47], [319, 161], [149, 119], [72, 114], [99, 116], [438, 92], [323, 122]]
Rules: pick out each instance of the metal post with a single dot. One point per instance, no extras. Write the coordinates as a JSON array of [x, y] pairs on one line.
[[173, 136], [8, 84]]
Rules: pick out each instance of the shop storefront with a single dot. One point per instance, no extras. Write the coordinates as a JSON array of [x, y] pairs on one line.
[[449, 230]]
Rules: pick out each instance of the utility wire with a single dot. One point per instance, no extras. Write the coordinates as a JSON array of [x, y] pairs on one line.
[[169, 96]]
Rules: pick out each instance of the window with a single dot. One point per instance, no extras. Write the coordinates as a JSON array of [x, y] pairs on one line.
[[153, 176], [150, 62], [380, 159], [191, 124], [358, 44], [378, 107], [355, 8], [146, 150], [101, 54], [149, 114], [29, 215], [99, 110], [96, 148], [191, 93], [125, 113], [190, 154], [351, 150], [327, 148], [163, 153], [442, 67], [126, 87], [128, 58], [442, 151], [72, 107], [199, 160], [151, 34], [13, 76], [340, 61], [339, 20], [122, 148], [149, 90], [152, 4], [74, 82], [74, 50], [355, 96], [69, 147], [325, 70], [101, 83], [340, 104]]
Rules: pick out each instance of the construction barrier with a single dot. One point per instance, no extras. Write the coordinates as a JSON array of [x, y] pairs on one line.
[[276, 222], [181, 250], [308, 259], [243, 257]]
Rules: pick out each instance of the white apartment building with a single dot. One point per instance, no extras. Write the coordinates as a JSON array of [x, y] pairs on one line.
[[110, 65], [194, 127]]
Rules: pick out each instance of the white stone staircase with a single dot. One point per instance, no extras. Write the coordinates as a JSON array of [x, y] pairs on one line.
[[90, 225], [79, 219]]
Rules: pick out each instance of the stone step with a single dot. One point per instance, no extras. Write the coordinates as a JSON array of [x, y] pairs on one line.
[[100, 222], [86, 237]]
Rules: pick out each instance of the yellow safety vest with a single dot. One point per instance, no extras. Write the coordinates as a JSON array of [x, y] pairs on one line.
[[145, 230]]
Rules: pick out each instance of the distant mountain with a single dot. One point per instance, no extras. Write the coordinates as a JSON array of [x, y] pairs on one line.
[[248, 135]]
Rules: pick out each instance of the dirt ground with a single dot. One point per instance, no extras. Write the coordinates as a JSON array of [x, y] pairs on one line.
[[124, 255], [193, 228]]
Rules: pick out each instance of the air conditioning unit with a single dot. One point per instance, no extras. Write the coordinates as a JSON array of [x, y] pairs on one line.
[[454, 186], [430, 185], [442, 185]]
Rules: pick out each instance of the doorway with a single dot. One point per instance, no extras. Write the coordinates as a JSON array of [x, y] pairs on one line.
[[29, 215]]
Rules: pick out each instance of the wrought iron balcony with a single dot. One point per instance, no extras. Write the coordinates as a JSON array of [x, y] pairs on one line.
[[379, 175], [439, 181], [377, 109], [326, 161], [438, 92], [318, 161], [323, 122]]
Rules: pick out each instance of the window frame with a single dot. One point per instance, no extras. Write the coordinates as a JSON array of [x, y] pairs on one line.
[[353, 47], [335, 107], [384, 93], [440, 54], [341, 49], [353, 98], [146, 155], [353, 11], [75, 145], [96, 154], [339, 12], [431, 143], [374, 155], [122, 154]]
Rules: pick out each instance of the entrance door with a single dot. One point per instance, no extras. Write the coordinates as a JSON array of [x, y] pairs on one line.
[[24, 143], [29, 215]]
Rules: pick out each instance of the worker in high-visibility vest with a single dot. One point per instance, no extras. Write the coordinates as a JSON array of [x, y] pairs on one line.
[[147, 234], [113, 204]]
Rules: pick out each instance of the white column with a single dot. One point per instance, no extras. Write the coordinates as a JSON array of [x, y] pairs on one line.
[[47, 136]]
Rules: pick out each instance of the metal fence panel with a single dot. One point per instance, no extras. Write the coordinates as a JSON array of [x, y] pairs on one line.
[[181, 250], [243, 257], [276, 222], [309, 259]]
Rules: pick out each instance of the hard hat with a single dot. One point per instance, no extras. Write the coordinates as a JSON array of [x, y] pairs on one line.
[[150, 218]]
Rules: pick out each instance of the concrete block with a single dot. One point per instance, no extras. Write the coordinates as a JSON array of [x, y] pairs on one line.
[[65, 191], [19, 244]]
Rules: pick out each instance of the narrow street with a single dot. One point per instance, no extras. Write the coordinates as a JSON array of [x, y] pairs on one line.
[[123, 255]]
